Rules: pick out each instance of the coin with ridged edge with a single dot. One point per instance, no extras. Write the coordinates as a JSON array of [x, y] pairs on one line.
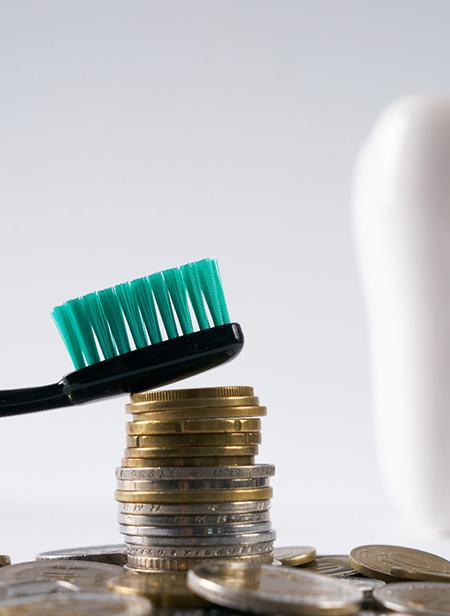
[[191, 496], [430, 598], [241, 539], [200, 551], [378, 560], [163, 395], [144, 563], [234, 412], [75, 604], [189, 462], [194, 426], [194, 440], [194, 531], [294, 556], [194, 509], [272, 590], [334, 565], [165, 589], [210, 472], [202, 520]]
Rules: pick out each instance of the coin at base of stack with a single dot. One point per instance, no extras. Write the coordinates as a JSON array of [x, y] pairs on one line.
[[188, 488]]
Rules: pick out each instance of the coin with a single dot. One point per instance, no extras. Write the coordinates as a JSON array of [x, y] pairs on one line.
[[23, 589], [193, 484], [242, 539], [224, 412], [166, 589], [191, 497], [113, 554], [293, 556], [86, 575], [194, 531], [188, 462], [143, 563], [197, 426], [200, 551], [195, 509], [430, 598], [377, 561], [333, 565], [366, 585], [186, 452], [211, 472], [272, 590], [194, 440], [76, 604], [4, 560], [202, 520], [168, 395], [417, 575]]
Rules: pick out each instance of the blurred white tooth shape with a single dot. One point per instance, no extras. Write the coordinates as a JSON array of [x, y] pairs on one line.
[[401, 214]]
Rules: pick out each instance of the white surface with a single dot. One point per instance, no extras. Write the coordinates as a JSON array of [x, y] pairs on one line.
[[136, 136], [402, 221]]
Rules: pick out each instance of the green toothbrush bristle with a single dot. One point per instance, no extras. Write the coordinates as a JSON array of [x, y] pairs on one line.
[[107, 323]]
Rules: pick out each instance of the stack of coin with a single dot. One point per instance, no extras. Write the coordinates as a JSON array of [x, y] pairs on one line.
[[188, 487]]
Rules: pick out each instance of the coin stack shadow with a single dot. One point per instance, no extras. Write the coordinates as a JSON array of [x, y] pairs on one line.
[[188, 488]]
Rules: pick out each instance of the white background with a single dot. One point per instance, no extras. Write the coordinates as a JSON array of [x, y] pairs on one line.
[[140, 135]]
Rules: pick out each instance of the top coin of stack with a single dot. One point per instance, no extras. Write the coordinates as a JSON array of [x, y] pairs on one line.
[[188, 488]]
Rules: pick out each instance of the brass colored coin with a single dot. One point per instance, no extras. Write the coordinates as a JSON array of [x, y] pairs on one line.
[[141, 563], [233, 412], [186, 452], [378, 560], [180, 462], [196, 426], [292, 557], [165, 589], [195, 440], [179, 552], [162, 395], [194, 496], [199, 403], [4, 560]]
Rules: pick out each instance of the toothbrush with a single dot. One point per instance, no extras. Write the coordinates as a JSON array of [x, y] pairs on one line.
[[116, 342]]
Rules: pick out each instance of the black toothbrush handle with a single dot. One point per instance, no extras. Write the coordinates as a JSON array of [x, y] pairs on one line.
[[147, 368]]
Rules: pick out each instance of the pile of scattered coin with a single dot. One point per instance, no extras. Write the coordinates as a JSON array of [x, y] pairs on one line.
[[188, 488], [73, 583]]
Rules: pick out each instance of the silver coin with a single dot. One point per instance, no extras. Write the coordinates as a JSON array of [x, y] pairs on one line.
[[194, 509], [366, 585], [192, 472], [272, 590], [112, 554], [200, 541], [194, 531], [24, 589], [76, 604], [194, 484], [194, 520], [196, 551], [86, 575], [334, 565], [431, 598]]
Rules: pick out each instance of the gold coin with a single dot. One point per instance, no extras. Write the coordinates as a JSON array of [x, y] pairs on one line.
[[419, 576], [140, 563], [166, 589], [194, 403], [378, 560], [233, 412], [294, 556], [194, 426], [194, 440], [194, 496], [206, 461], [186, 452], [163, 395], [4, 560]]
